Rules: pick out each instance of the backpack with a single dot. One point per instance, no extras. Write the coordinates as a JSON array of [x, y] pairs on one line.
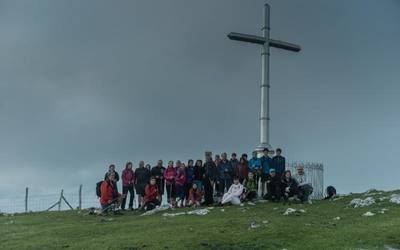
[[331, 191], [98, 188]]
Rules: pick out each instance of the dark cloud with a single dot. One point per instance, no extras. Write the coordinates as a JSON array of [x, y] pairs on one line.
[[87, 83]]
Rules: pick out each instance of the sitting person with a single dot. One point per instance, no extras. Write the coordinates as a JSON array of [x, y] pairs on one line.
[[151, 197], [250, 188], [109, 196], [289, 185], [274, 192], [234, 193], [195, 196], [304, 189]]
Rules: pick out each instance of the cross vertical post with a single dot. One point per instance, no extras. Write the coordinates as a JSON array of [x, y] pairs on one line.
[[266, 42], [265, 115]]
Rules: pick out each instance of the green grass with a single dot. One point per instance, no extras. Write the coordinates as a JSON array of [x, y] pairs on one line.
[[314, 229]]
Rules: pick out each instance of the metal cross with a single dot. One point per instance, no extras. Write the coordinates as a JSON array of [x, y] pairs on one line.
[[266, 43]]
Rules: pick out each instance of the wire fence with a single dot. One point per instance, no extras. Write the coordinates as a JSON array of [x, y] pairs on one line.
[[86, 199], [315, 172]]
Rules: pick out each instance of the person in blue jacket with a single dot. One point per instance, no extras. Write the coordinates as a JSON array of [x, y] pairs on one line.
[[279, 163], [225, 170], [255, 166], [265, 169]]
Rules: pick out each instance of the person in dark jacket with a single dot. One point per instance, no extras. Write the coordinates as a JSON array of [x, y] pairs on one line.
[[217, 160], [128, 182], [142, 179], [152, 197], [211, 176], [158, 173], [189, 180], [226, 173], [199, 173], [278, 162], [242, 170], [265, 167], [274, 183], [111, 169], [289, 185], [234, 161]]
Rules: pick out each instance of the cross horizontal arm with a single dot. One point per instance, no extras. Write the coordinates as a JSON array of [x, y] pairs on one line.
[[246, 38], [284, 45]]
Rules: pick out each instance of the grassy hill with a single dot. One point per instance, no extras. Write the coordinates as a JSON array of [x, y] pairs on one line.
[[230, 228]]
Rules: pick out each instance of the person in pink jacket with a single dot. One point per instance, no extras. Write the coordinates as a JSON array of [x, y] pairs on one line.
[[128, 181], [169, 177], [180, 182]]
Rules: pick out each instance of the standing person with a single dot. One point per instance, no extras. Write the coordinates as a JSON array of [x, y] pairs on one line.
[[199, 173], [111, 169], [255, 166], [234, 161], [289, 185], [109, 195], [128, 182], [189, 180], [274, 183], [278, 162], [234, 193], [244, 156], [152, 197], [211, 175], [242, 170], [142, 175], [304, 189], [180, 183], [194, 196], [148, 166], [225, 175], [250, 188], [158, 173], [265, 167], [217, 160], [169, 176]]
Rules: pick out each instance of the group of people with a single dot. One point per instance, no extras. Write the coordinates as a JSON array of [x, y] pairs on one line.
[[219, 180]]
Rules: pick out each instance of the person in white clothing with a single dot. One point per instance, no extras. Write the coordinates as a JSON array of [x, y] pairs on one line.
[[305, 188], [234, 193]]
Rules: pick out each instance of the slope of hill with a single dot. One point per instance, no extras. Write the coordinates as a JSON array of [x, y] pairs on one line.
[[330, 224]]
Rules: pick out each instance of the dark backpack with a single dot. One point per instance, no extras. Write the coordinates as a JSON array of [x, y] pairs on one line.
[[330, 191], [98, 188]]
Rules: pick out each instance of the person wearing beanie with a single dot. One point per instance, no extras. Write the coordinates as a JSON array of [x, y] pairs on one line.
[[273, 186]]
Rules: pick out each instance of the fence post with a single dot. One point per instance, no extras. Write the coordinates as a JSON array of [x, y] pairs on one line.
[[80, 197], [59, 202], [26, 200]]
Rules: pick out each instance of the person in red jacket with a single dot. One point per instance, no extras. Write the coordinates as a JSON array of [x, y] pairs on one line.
[[109, 194], [242, 170], [195, 196], [152, 197], [169, 177], [128, 181]]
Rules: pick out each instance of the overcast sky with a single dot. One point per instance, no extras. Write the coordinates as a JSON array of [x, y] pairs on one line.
[[87, 83]]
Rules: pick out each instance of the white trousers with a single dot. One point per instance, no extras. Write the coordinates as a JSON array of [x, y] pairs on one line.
[[230, 198]]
